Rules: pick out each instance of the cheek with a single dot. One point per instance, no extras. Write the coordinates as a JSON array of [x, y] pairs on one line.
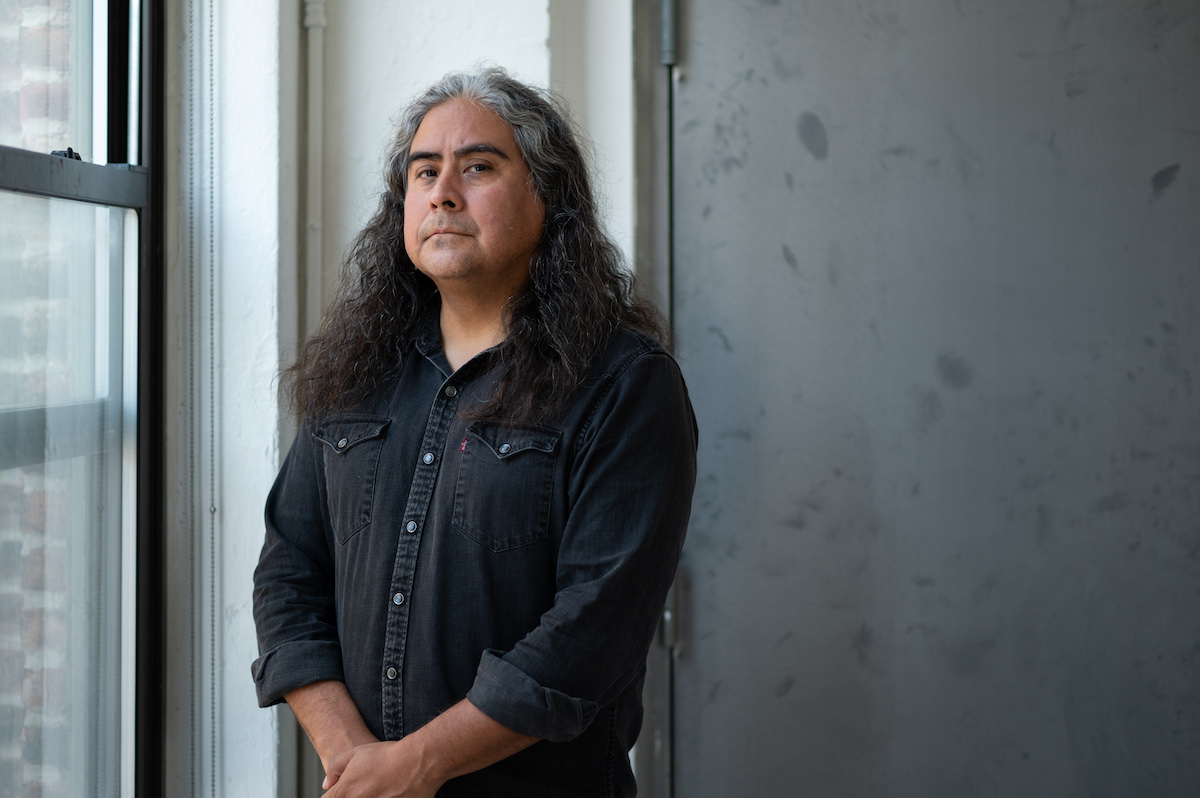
[[411, 225], [526, 216], [536, 222]]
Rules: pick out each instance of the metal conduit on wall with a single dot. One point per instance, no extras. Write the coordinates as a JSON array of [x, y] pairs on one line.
[[314, 27]]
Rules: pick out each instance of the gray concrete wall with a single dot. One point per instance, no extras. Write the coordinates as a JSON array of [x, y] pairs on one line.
[[937, 285]]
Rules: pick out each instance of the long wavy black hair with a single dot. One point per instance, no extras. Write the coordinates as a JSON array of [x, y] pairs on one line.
[[577, 293]]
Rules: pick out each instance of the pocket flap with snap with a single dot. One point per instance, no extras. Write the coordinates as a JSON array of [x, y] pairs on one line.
[[343, 434], [505, 440]]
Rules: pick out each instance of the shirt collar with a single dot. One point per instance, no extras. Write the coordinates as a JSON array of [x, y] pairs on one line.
[[429, 333]]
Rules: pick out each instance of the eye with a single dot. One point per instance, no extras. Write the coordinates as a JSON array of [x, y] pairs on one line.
[[478, 167], [424, 172]]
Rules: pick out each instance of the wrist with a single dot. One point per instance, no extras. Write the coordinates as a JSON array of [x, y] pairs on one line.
[[339, 741], [330, 718], [417, 756]]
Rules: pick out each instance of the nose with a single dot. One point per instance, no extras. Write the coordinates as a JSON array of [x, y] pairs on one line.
[[446, 193]]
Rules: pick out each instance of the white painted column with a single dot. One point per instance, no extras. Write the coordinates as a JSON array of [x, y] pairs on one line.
[[227, 220]]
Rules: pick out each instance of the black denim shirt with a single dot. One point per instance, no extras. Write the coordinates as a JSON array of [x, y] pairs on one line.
[[421, 557]]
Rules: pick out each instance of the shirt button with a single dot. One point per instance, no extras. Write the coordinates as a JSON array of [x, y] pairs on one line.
[[398, 598], [391, 673], [428, 458], [451, 391], [343, 443], [505, 448], [410, 527]]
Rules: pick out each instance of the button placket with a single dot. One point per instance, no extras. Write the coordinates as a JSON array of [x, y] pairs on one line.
[[420, 496]]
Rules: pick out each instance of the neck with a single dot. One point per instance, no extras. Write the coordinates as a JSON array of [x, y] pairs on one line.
[[469, 328]]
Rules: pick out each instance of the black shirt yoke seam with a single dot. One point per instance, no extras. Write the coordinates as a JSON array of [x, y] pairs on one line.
[[612, 377]]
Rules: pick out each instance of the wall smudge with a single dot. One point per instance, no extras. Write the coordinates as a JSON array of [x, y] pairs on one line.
[[717, 331], [790, 258], [954, 370], [863, 640], [813, 135], [1163, 179]]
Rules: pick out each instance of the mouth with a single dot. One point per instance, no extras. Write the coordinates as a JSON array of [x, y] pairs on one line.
[[446, 231]]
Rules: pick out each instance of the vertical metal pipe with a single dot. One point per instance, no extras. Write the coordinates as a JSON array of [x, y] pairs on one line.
[[314, 25], [668, 32]]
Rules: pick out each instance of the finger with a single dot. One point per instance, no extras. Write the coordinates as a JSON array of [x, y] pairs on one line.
[[337, 766]]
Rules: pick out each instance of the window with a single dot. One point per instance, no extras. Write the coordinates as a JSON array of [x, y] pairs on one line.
[[79, 644]]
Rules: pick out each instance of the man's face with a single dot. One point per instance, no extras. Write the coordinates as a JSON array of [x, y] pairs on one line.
[[471, 217]]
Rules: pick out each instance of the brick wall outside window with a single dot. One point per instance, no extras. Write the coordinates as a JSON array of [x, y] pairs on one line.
[[42, 507]]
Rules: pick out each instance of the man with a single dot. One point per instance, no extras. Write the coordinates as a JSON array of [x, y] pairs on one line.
[[471, 539]]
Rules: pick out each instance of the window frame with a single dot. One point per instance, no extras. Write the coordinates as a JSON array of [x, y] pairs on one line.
[[140, 188]]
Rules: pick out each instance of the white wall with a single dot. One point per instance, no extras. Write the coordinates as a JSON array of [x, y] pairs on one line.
[[591, 67]]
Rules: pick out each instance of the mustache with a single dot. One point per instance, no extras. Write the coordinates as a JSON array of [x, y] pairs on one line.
[[440, 224]]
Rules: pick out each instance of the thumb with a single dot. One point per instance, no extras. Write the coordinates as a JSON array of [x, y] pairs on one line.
[[337, 766]]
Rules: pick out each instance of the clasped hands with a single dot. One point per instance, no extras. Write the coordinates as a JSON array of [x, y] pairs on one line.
[[379, 770]]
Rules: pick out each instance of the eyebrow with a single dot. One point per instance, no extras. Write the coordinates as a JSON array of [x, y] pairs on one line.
[[470, 149]]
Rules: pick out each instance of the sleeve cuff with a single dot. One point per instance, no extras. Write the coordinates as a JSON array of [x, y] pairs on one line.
[[293, 665], [510, 697]]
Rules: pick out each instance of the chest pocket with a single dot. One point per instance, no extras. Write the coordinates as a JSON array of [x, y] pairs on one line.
[[351, 454], [505, 484]]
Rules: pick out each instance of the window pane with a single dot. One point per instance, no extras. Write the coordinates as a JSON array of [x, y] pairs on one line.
[[65, 443], [54, 309], [46, 75]]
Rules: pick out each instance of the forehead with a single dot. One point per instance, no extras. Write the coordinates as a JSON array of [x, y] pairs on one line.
[[460, 122]]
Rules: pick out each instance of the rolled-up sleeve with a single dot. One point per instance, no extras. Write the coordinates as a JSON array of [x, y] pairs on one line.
[[293, 584], [629, 490]]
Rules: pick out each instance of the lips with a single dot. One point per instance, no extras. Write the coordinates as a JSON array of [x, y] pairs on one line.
[[433, 227]]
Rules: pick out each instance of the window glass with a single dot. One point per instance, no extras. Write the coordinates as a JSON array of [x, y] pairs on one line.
[[65, 443], [55, 303], [46, 70]]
